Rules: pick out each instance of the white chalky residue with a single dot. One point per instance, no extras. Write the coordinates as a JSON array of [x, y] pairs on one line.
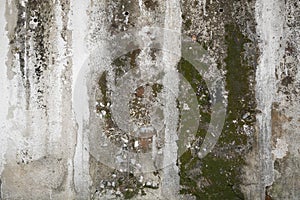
[[172, 43], [204, 8], [141, 5], [3, 88], [80, 54], [281, 148], [269, 28], [34, 115]]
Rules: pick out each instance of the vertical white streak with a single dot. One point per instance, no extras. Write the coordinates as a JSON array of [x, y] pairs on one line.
[[141, 5], [171, 56], [204, 7], [80, 54], [3, 87], [269, 28]]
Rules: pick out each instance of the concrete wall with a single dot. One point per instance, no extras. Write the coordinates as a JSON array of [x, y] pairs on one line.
[[64, 132]]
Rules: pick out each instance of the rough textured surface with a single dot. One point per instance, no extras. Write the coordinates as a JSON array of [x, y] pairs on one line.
[[65, 81]]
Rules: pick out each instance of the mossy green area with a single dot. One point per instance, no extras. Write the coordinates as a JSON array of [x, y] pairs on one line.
[[126, 62], [216, 176], [198, 84], [102, 83], [240, 96], [129, 185]]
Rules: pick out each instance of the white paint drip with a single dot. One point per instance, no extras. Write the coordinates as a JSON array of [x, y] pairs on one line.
[[80, 54], [204, 8], [3, 88], [269, 29], [171, 56], [141, 5], [33, 115]]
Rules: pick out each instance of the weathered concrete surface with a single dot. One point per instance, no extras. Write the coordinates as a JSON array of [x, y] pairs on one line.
[[277, 92], [39, 133], [57, 102]]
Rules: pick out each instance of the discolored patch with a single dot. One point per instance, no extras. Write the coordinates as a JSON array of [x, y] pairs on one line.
[[151, 4]]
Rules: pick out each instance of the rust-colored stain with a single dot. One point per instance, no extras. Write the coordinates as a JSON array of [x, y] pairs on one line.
[[139, 92], [268, 197], [144, 143]]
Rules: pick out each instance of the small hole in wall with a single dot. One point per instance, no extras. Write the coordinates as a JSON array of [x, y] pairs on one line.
[[126, 13], [221, 10]]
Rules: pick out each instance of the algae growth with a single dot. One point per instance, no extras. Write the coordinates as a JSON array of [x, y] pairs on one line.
[[217, 175]]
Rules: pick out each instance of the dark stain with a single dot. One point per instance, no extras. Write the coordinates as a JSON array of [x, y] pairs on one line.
[[153, 53], [20, 36], [290, 49], [42, 14], [123, 15], [133, 57], [126, 182], [267, 196], [18, 43], [65, 7], [105, 100], [287, 80], [151, 4]]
